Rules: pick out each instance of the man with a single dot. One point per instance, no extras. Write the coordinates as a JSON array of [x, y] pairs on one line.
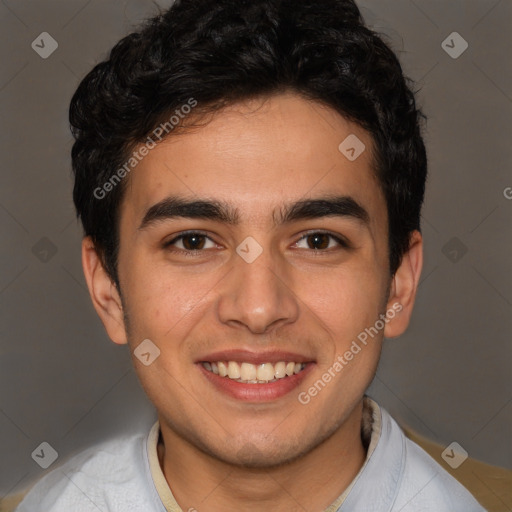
[[250, 175]]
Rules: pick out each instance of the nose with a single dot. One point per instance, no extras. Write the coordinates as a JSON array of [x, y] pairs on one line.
[[257, 296]]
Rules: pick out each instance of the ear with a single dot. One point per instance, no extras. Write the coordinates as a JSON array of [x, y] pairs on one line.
[[104, 294], [404, 287]]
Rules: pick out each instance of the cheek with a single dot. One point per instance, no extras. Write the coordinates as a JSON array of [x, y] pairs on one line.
[[161, 301], [346, 303], [346, 294]]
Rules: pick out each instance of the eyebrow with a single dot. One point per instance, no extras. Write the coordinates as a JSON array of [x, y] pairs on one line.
[[174, 207]]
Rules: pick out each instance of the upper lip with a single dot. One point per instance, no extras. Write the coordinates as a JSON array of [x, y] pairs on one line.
[[247, 356]]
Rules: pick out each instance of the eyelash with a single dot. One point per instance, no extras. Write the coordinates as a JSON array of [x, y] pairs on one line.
[[343, 243]]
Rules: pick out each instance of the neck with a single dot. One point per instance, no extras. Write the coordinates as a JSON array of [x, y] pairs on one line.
[[312, 482]]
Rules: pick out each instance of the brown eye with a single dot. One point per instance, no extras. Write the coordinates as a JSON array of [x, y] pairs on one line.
[[193, 242], [190, 242], [320, 241]]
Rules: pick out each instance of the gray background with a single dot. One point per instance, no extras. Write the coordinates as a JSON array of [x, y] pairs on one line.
[[61, 379]]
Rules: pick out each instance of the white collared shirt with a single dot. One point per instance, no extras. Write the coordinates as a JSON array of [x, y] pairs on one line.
[[124, 475]]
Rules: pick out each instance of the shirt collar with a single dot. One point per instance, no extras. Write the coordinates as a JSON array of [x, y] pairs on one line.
[[371, 430]]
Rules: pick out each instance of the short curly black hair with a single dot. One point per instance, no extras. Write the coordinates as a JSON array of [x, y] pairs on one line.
[[223, 51]]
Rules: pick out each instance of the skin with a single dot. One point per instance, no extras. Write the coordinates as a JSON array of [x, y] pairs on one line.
[[219, 453]]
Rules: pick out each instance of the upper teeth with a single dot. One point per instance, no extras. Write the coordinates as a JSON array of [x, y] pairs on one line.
[[254, 374]]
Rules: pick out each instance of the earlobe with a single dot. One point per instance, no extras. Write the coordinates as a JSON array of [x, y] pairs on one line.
[[404, 287], [104, 294]]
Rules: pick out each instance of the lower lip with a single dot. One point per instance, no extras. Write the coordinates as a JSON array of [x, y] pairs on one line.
[[256, 392]]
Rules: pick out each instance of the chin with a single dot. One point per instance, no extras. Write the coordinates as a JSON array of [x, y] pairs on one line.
[[261, 455]]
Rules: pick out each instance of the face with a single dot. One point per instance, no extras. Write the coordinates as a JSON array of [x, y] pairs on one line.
[[253, 246]]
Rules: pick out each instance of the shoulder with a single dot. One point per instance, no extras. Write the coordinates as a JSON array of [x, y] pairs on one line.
[[111, 476], [425, 485]]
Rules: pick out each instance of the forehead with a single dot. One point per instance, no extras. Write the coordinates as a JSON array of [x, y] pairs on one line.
[[257, 155]]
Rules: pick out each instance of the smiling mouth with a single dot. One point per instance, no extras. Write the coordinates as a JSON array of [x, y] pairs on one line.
[[248, 373]]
